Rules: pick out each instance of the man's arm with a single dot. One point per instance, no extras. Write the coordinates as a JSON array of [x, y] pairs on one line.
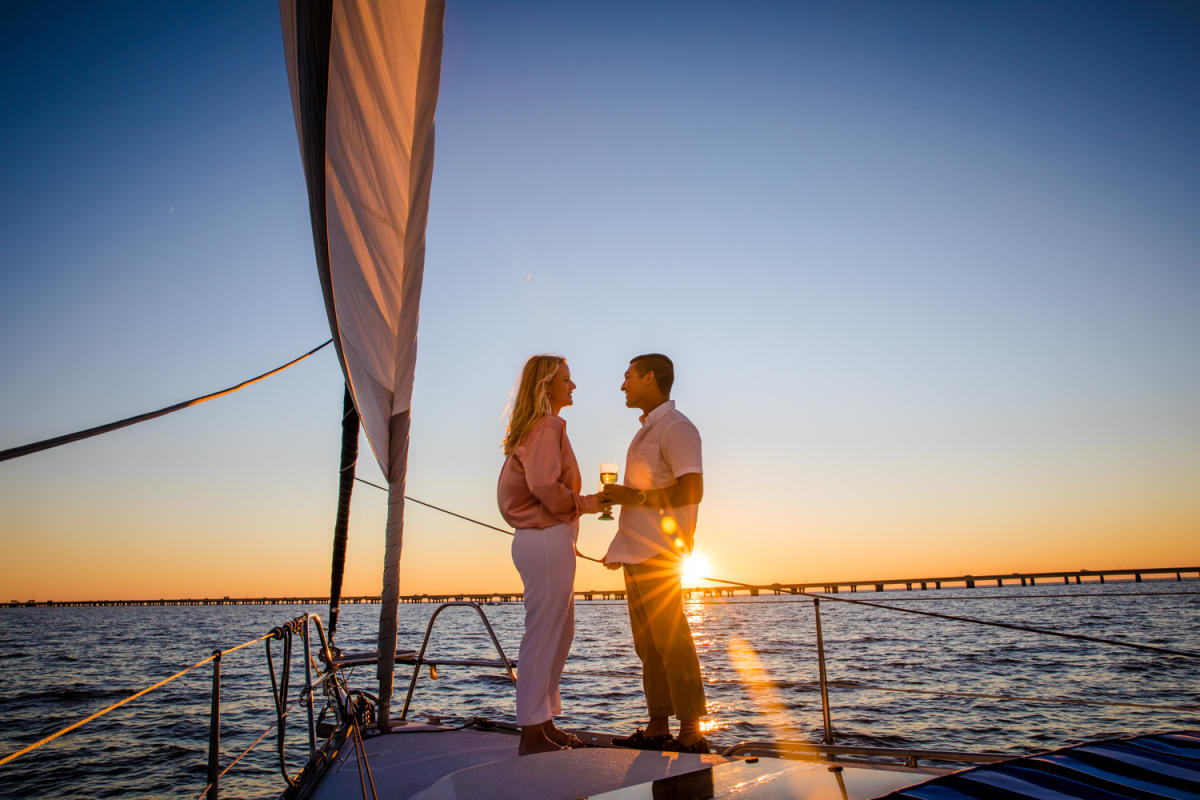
[[686, 491]]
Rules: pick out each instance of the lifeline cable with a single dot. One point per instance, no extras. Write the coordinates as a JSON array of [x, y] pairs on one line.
[[120, 703], [855, 685], [1020, 698], [46, 444], [233, 763], [460, 516], [993, 623], [749, 601], [819, 596]]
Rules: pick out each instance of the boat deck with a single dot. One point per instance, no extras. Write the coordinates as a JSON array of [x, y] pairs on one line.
[[433, 763]]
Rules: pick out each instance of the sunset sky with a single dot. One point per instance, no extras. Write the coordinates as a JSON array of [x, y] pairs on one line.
[[929, 272]]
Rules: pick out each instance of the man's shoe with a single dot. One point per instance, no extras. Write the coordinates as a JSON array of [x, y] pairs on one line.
[[699, 747], [640, 741]]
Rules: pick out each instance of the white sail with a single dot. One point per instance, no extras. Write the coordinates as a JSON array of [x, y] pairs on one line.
[[364, 77]]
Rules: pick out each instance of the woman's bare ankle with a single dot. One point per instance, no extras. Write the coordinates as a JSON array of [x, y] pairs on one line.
[[555, 735], [534, 739]]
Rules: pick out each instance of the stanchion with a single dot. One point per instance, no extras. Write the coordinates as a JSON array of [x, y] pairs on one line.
[[214, 730], [824, 681], [308, 688]]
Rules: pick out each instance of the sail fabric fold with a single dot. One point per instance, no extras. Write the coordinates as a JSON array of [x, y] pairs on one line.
[[371, 180], [364, 78]]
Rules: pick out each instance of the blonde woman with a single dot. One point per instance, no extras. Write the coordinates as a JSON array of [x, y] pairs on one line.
[[539, 495]]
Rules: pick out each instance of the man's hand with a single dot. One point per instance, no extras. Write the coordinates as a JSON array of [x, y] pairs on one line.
[[613, 565], [688, 490], [614, 494]]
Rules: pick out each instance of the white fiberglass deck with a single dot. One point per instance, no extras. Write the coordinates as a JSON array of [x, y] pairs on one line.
[[437, 764], [425, 762]]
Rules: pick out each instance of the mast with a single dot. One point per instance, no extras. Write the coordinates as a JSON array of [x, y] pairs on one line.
[[364, 78], [341, 526]]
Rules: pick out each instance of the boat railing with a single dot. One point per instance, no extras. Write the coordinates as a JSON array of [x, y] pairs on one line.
[[343, 701], [354, 708], [352, 714], [420, 660], [828, 748], [825, 682]]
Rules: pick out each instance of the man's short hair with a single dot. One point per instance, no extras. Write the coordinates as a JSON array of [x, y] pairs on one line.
[[660, 365]]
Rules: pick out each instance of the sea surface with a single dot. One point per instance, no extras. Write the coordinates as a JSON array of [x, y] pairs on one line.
[[897, 678]]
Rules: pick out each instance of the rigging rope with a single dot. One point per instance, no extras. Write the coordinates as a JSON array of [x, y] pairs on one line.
[[120, 703], [816, 596], [939, 692], [1020, 698], [750, 601], [46, 444], [253, 744], [279, 690], [468, 519], [360, 757], [233, 763], [1025, 628]]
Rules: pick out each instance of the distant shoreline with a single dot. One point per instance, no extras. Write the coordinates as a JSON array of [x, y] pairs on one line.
[[727, 589]]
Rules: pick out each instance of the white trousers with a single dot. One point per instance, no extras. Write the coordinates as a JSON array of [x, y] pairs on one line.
[[545, 558]]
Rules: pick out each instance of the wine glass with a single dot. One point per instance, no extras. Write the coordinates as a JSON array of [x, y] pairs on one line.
[[608, 474]]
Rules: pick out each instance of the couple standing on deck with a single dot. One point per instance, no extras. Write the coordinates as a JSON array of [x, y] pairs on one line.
[[539, 496]]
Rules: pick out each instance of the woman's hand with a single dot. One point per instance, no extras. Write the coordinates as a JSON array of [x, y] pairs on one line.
[[591, 503]]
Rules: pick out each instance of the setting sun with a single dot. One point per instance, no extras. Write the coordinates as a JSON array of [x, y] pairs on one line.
[[696, 567]]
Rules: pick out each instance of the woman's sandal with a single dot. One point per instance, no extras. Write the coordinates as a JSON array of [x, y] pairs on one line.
[[571, 741], [575, 743], [556, 748]]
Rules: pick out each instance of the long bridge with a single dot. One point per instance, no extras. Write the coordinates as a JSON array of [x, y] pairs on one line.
[[831, 587]]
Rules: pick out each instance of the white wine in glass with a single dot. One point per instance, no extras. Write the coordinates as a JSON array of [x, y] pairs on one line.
[[608, 474]]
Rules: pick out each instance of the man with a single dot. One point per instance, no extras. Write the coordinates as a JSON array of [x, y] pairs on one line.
[[659, 502]]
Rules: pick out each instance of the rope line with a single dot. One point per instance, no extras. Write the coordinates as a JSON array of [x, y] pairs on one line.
[[253, 745], [245, 752], [360, 755], [1026, 628], [438, 508], [46, 444], [748, 601], [939, 692], [120, 703], [1055, 597], [835, 598], [233, 763], [460, 516], [1019, 698]]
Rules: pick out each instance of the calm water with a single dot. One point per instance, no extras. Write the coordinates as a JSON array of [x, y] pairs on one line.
[[758, 654]]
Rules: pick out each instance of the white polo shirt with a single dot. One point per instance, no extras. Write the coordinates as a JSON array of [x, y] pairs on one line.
[[665, 449]]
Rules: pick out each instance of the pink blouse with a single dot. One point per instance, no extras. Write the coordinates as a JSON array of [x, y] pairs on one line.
[[539, 482]]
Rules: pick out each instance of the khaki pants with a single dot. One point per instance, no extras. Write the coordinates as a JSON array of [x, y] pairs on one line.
[[663, 641]]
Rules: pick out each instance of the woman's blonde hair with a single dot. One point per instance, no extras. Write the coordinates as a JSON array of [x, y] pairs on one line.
[[533, 400]]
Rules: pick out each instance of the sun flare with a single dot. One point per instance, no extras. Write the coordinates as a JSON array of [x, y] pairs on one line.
[[696, 567]]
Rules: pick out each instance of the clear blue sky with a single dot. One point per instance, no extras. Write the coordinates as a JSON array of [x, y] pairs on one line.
[[929, 271]]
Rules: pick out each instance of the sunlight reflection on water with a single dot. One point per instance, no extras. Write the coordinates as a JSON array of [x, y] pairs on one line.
[[758, 655]]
